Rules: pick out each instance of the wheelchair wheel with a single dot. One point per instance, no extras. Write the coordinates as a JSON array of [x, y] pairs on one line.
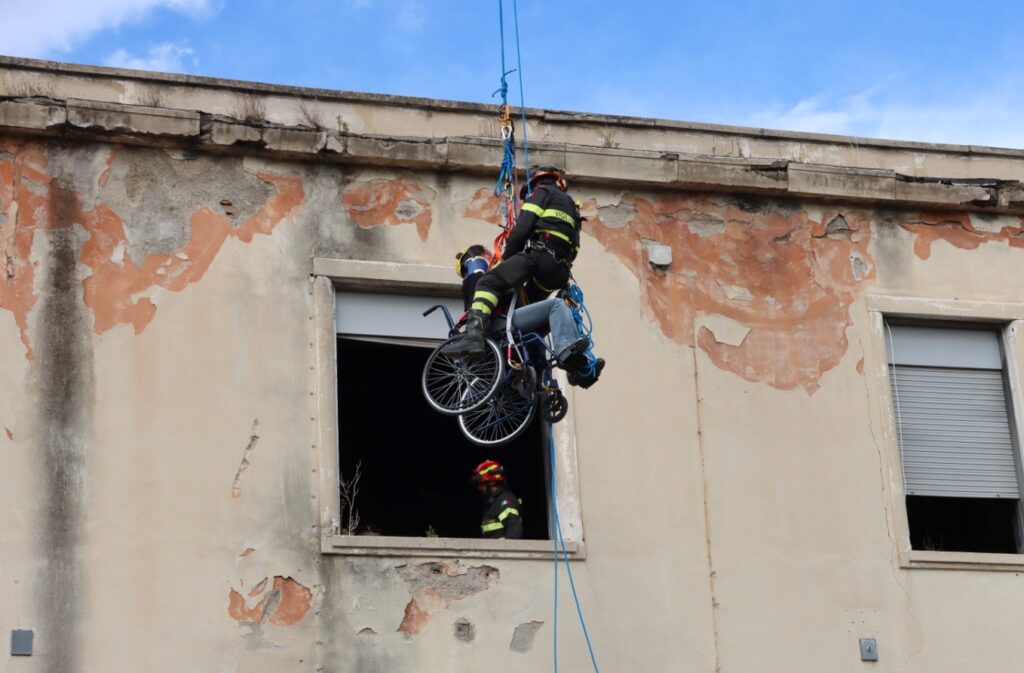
[[457, 385], [554, 406], [503, 417]]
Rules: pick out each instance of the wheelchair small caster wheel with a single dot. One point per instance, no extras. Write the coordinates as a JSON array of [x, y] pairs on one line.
[[554, 407]]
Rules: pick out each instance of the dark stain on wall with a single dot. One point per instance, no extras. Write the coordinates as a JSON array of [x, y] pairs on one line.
[[63, 371]]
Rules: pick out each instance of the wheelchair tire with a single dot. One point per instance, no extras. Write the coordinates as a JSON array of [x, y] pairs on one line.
[[503, 417], [554, 406], [456, 385]]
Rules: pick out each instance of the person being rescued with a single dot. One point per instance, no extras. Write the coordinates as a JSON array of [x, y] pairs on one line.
[[550, 315], [501, 518]]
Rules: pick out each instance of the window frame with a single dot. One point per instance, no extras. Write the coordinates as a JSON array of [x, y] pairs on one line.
[[328, 277], [1009, 319]]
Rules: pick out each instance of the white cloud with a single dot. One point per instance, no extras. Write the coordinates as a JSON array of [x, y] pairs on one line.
[[988, 116], [165, 57], [37, 29], [411, 16]]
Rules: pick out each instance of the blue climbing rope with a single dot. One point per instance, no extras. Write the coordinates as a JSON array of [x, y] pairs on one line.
[[559, 547], [584, 327], [504, 187], [506, 176], [522, 99]]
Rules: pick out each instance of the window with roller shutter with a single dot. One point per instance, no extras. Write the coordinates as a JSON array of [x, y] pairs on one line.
[[961, 466]]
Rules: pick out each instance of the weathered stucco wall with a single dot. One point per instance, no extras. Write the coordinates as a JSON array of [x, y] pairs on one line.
[[159, 463]]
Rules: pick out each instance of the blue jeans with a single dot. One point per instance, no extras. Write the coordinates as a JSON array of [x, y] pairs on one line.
[[544, 316]]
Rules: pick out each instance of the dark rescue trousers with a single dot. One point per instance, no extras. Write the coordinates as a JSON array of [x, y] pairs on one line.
[[538, 268]]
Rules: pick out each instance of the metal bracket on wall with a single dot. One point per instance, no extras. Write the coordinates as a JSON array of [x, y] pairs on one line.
[[868, 649]]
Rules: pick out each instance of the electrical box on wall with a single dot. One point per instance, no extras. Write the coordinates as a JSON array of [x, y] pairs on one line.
[[868, 649], [21, 642]]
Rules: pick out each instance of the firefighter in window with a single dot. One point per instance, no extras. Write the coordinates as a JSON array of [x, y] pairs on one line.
[[501, 519]]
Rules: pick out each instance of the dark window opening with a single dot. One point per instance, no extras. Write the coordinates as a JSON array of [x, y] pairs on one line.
[[963, 524], [416, 463]]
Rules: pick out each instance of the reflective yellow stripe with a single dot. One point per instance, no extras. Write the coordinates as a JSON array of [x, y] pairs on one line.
[[558, 234], [559, 215], [508, 511], [533, 208], [486, 296], [494, 525], [491, 468], [481, 306]]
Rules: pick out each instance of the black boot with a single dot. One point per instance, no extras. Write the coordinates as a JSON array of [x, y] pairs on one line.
[[583, 380], [573, 356], [471, 341]]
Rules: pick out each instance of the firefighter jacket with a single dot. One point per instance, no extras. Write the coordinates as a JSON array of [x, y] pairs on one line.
[[501, 516], [549, 215]]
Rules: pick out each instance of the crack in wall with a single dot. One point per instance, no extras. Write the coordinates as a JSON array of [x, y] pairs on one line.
[[894, 561], [236, 486], [708, 548]]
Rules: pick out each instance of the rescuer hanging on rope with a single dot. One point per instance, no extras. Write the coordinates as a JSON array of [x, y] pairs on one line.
[[547, 316], [538, 252]]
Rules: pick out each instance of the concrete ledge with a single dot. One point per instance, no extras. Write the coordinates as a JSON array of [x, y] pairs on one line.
[[131, 120], [388, 276], [599, 165], [850, 183], [39, 115], [378, 545], [718, 173], [946, 560], [229, 133], [406, 151], [295, 140], [617, 168]]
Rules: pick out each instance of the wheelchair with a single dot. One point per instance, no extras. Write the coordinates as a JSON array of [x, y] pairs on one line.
[[497, 394]]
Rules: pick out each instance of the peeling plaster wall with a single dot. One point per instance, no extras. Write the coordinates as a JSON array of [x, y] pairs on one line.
[[156, 464]]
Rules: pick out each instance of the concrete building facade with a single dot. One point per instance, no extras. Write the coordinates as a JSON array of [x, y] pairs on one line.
[[178, 251]]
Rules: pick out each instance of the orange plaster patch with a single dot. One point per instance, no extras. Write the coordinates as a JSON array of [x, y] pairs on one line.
[[116, 278], [789, 278], [10, 435], [390, 201], [420, 609], [248, 552], [292, 603], [32, 200], [484, 206], [24, 186], [957, 230], [860, 366]]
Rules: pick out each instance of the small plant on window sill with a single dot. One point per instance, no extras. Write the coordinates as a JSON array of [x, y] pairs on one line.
[[349, 515], [431, 532]]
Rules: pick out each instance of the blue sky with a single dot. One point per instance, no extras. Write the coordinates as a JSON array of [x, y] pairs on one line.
[[935, 71]]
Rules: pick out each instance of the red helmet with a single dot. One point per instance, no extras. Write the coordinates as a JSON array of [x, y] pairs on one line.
[[487, 472], [545, 171]]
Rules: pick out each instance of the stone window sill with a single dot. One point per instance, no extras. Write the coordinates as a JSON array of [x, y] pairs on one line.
[[954, 560], [379, 545]]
